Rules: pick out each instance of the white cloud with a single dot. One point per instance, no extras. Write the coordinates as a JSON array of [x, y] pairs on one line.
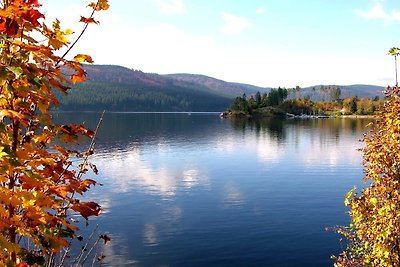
[[378, 12], [234, 24], [161, 180], [171, 6], [174, 50], [260, 11]]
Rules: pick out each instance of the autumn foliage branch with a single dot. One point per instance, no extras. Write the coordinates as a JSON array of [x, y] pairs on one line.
[[38, 186], [374, 232]]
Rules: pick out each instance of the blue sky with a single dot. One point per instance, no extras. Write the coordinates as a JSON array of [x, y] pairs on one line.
[[267, 43]]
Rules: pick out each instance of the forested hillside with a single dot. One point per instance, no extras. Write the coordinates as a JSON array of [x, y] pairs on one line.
[[116, 88]]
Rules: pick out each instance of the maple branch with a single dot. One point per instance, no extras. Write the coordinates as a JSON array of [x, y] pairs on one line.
[[92, 143], [88, 152]]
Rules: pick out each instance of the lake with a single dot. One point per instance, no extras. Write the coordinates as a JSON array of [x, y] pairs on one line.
[[196, 190]]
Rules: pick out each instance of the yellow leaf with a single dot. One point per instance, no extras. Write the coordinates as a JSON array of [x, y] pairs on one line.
[[83, 58], [351, 192], [100, 5], [10, 113], [373, 201], [68, 31]]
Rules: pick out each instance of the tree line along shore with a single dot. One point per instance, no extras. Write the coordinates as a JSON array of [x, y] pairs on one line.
[[285, 102]]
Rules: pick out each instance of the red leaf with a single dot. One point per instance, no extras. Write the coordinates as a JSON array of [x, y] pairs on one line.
[[32, 16], [33, 3], [58, 85], [8, 26], [87, 209], [74, 129]]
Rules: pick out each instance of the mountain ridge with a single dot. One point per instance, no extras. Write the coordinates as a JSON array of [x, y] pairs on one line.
[[117, 88]]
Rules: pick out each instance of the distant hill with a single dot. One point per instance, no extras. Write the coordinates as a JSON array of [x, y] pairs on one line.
[[218, 86], [117, 88], [362, 90], [321, 92]]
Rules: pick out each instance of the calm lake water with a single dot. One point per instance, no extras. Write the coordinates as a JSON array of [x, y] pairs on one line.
[[197, 190]]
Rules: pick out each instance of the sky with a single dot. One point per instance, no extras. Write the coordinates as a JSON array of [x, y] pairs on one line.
[[268, 43]]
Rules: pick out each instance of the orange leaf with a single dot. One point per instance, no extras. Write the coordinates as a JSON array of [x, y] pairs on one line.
[[61, 191], [88, 20], [77, 78]]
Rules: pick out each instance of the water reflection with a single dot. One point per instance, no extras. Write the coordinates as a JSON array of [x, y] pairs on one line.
[[277, 128], [195, 190], [191, 178], [124, 131], [135, 171], [271, 126], [315, 140], [232, 197], [150, 235]]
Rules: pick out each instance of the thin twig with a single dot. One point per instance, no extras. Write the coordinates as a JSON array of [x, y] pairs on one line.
[[80, 255], [80, 35], [92, 143], [62, 260], [90, 250]]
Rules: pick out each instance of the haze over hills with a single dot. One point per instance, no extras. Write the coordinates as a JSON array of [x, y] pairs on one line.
[[117, 88]]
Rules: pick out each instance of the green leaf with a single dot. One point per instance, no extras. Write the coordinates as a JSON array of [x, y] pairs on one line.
[[351, 192], [16, 70], [394, 51]]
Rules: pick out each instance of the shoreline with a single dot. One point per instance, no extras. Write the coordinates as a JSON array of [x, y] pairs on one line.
[[357, 116], [280, 114]]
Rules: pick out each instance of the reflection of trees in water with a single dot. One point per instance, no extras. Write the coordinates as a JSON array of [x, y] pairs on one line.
[[275, 127], [331, 130], [321, 129], [123, 130], [132, 130]]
